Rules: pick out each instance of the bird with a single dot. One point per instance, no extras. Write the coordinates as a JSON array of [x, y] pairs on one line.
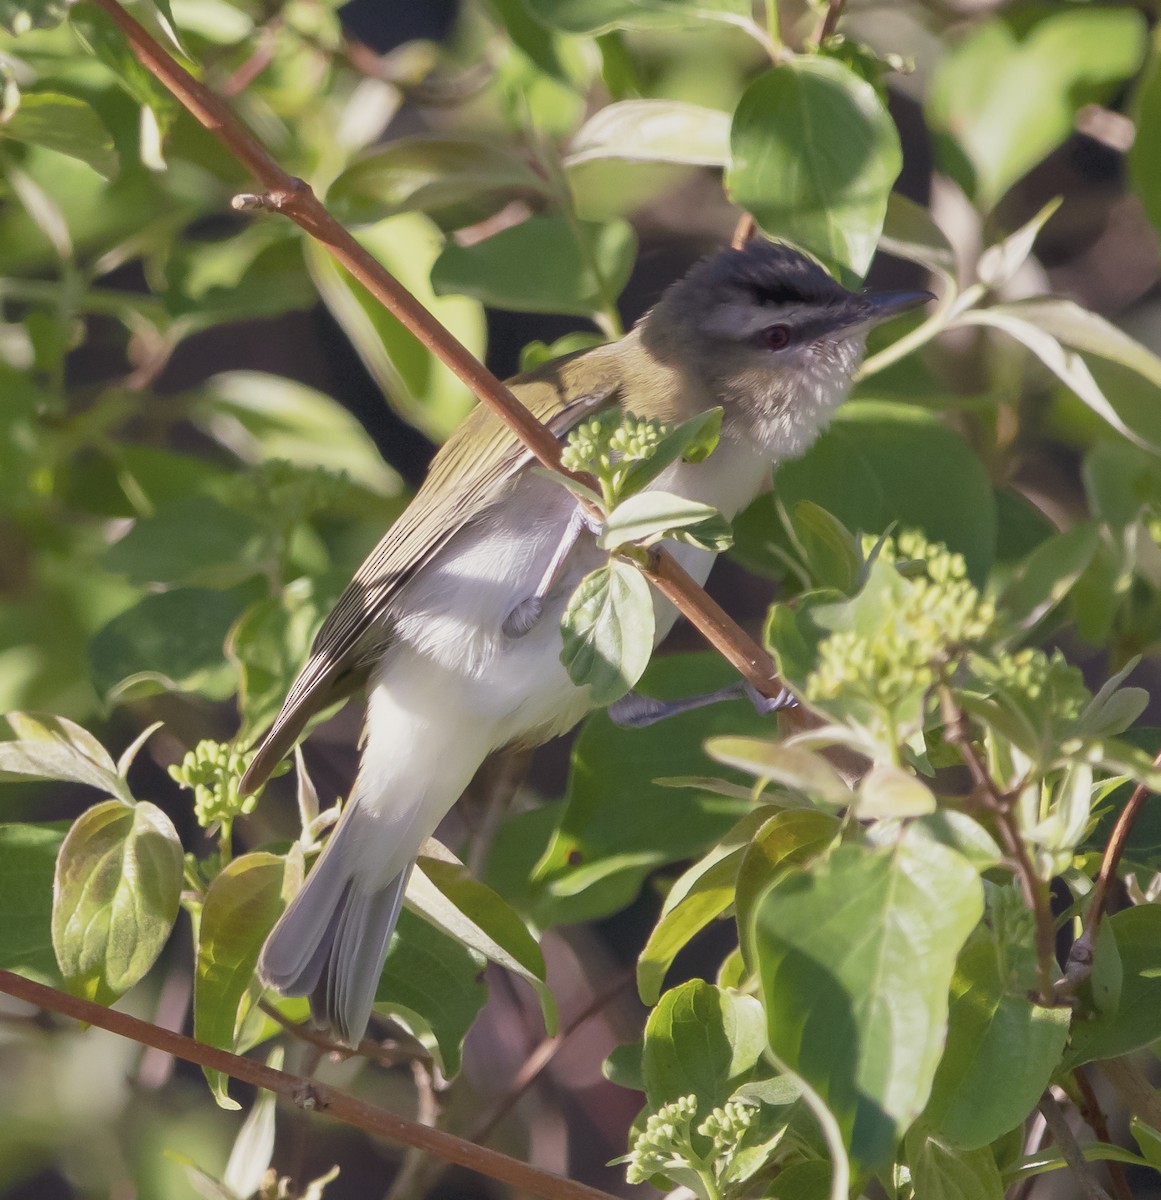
[[452, 624]]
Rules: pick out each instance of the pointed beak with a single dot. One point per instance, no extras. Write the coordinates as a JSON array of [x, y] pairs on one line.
[[882, 306]]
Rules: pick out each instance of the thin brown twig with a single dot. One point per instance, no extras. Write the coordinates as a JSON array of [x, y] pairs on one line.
[[1073, 1156], [305, 1093], [743, 231], [834, 10], [409, 1181], [293, 198], [1139, 1095], [1036, 893], [536, 1062], [1080, 957], [1038, 1138], [1090, 1109], [384, 1055]]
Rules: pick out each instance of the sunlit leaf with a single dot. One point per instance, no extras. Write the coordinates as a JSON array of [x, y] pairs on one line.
[[608, 631], [700, 1040], [653, 131], [50, 747], [240, 909], [423, 391], [649, 515], [65, 124], [813, 157], [27, 864], [855, 955], [461, 179], [115, 897], [544, 264]]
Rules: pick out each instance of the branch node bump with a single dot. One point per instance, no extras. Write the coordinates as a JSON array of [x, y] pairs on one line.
[[306, 1096]]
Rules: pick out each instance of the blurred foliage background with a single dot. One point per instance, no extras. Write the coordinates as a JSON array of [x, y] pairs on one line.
[[206, 424]]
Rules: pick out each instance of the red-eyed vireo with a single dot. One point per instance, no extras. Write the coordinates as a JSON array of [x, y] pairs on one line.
[[438, 622]]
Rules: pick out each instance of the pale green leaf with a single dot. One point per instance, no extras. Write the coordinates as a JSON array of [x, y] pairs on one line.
[[608, 631], [653, 131], [115, 897]]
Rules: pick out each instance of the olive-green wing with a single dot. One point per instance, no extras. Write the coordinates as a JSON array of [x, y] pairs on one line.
[[468, 475]]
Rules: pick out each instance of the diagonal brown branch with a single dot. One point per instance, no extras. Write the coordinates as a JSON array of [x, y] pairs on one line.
[[293, 198], [306, 1094]]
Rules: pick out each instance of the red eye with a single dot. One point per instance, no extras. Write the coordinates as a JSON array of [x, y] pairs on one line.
[[776, 337]]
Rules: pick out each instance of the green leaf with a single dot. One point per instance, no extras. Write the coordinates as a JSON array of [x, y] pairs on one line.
[[262, 417], [168, 641], [623, 1066], [255, 272], [1135, 1021], [1089, 333], [653, 131], [870, 470], [64, 124], [1145, 153], [700, 1040], [999, 263], [617, 824], [1007, 94], [269, 643], [434, 985], [536, 354], [48, 747], [115, 897], [887, 792], [461, 180], [650, 516], [194, 540], [911, 234], [544, 264], [600, 16], [480, 919], [1001, 1052], [960, 833], [27, 864], [789, 839], [793, 767], [1149, 1139], [855, 955], [1099, 364], [804, 1180], [832, 556], [699, 896], [19, 16], [608, 631], [1048, 573], [1073, 371], [814, 155], [1052, 1160], [419, 387], [240, 909], [1120, 481], [941, 1171]]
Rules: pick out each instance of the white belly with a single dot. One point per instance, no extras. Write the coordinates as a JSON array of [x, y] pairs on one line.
[[449, 619]]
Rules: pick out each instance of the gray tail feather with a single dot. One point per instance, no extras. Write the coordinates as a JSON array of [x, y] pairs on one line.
[[331, 942]]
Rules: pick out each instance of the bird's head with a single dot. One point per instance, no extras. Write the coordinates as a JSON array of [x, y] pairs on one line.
[[772, 336]]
